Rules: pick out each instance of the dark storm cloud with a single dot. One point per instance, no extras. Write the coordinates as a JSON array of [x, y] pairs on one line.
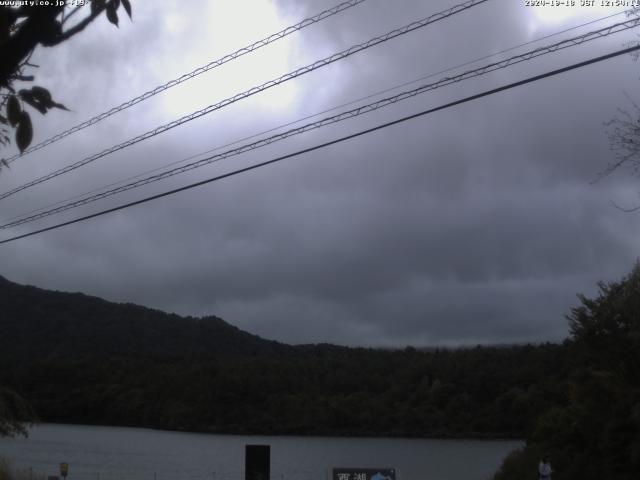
[[475, 225]]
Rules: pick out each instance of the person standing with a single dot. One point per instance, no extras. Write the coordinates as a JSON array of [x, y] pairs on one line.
[[544, 469]]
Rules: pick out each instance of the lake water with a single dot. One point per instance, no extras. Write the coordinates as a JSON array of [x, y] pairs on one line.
[[114, 453]]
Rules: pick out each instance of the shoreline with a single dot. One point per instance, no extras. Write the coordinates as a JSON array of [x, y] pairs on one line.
[[337, 435]]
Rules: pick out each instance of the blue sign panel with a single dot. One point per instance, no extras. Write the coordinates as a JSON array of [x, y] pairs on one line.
[[364, 474]]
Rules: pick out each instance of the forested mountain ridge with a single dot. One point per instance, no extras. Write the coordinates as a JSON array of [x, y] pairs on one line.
[[81, 359], [42, 323]]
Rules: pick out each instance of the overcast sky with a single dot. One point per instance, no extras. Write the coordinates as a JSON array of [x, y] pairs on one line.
[[477, 224]]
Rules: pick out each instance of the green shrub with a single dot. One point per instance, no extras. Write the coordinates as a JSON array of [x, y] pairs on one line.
[[521, 463]]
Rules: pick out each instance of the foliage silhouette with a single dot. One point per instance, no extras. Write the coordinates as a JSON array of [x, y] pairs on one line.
[[596, 434], [22, 29]]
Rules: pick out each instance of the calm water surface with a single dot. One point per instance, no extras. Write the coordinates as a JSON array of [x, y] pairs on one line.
[[114, 453]]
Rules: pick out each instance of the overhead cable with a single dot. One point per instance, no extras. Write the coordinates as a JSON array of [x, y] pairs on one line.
[[385, 102], [332, 142], [252, 91], [194, 73], [308, 117]]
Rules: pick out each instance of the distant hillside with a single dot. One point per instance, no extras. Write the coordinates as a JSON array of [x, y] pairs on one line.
[[80, 359], [37, 323]]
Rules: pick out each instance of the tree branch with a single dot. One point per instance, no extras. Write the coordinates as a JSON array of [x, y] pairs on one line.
[[34, 29], [73, 12], [79, 26]]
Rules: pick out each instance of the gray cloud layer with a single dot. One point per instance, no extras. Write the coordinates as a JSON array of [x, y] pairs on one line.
[[477, 224]]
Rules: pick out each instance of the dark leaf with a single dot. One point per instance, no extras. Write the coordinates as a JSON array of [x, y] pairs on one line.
[[50, 33], [97, 6], [111, 14], [28, 97], [127, 7], [24, 133], [116, 4], [60, 106], [4, 162], [43, 95], [13, 110]]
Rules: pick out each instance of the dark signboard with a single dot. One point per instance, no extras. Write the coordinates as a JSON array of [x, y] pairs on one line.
[[257, 462], [364, 474]]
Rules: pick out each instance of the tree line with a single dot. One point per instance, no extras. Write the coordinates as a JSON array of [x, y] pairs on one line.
[[77, 358], [322, 390]]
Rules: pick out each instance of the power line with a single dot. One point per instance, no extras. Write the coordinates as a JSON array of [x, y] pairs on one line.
[[288, 124], [333, 142], [492, 67], [194, 73], [272, 83]]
